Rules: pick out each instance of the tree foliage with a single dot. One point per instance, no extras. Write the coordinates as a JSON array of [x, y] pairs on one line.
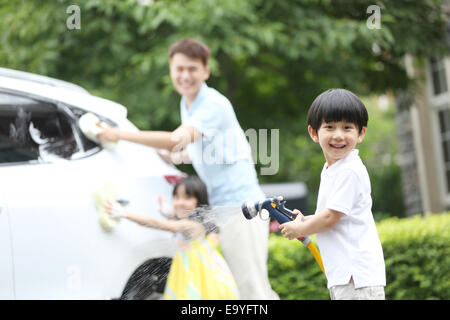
[[269, 57]]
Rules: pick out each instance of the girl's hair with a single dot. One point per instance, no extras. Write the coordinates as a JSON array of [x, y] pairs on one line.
[[194, 187], [336, 105], [192, 48]]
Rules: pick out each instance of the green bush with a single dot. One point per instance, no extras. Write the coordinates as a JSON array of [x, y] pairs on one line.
[[293, 272], [416, 252], [417, 256]]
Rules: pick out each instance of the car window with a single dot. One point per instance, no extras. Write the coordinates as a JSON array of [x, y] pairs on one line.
[[36, 131]]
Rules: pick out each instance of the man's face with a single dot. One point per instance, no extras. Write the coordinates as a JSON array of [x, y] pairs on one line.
[[187, 75]]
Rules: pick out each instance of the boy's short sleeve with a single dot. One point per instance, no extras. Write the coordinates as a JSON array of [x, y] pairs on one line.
[[344, 192], [207, 119]]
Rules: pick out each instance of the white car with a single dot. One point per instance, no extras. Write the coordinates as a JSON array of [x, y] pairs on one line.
[[53, 244]]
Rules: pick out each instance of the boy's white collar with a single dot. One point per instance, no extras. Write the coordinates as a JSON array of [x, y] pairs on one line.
[[348, 157]]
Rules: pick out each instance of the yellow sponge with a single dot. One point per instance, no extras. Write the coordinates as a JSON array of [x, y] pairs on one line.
[[106, 192]]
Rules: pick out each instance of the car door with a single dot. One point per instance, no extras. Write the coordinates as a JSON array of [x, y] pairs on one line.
[[6, 263], [60, 249]]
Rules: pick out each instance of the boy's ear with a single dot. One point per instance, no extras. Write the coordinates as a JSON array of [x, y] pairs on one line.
[[362, 134], [313, 134]]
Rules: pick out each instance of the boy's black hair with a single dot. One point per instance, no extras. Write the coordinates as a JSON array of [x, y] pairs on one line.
[[336, 105], [194, 187]]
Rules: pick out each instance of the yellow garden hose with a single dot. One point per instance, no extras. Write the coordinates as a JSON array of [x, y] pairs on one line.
[[316, 255]]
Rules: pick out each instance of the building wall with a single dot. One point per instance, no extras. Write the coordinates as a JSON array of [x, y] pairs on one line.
[[408, 163], [419, 149], [426, 153]]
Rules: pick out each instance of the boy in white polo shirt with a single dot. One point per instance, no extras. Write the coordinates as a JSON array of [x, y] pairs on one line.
[[345, 229]]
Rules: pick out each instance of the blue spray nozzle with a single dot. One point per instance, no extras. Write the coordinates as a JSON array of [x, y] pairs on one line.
[[276, 209], [250, 209]]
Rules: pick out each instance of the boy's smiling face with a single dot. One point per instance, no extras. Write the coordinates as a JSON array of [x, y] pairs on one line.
[[337, 139]]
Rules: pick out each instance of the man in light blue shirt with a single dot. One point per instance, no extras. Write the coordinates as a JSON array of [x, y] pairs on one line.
[[222, 158], [211, 138]]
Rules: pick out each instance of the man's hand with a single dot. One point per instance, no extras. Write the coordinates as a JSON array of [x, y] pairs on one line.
[[177, 157], [107, 133], [165, 155]]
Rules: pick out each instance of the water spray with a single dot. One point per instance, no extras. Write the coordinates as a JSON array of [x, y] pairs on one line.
[[277, 210]]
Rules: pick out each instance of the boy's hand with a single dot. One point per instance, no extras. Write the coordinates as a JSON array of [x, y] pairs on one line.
[[288, 230], [298, 214], [292, 229]]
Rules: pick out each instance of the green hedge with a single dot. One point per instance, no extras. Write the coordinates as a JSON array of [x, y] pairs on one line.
[[416, 252]]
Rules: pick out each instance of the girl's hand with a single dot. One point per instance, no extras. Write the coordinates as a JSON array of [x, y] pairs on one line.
[[163, 210], [182, 245], [191, 229], [115, 210], [214, 238]]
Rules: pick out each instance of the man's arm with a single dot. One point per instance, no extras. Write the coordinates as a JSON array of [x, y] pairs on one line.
[[173, 141], [176, 157]]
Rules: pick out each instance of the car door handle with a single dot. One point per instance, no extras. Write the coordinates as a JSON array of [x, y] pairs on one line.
[[123, 202]]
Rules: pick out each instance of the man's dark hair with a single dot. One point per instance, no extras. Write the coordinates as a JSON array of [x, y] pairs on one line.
[[192, 48], [336, 105]]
